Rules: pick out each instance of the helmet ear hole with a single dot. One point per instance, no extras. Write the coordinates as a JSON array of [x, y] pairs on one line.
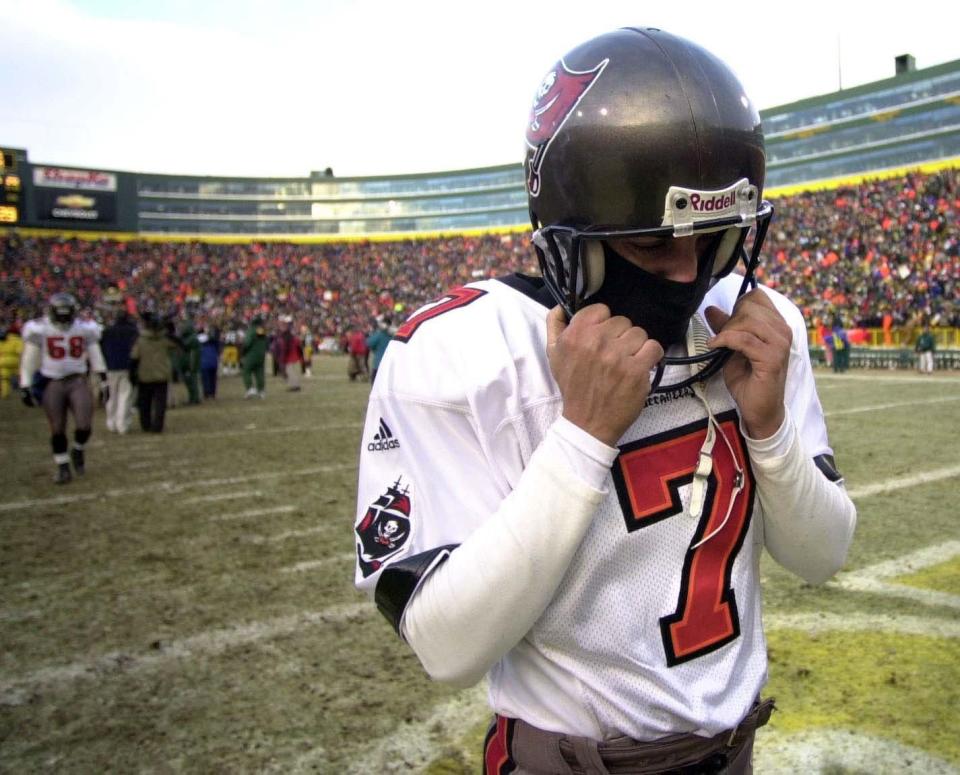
[[592, 263]]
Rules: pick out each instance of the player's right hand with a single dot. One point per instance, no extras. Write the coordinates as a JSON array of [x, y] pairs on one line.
[[27, 397], [602, 365]]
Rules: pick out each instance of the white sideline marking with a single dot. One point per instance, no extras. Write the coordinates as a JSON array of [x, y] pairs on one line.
[[903, 482], [836, 750], [172, 487], [316, 564], [224, 496], [210, 643], [410, 747], [878, 407], [254, 513], [875, 577]]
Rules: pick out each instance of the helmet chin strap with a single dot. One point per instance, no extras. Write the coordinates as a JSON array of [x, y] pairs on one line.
[[697, 336]]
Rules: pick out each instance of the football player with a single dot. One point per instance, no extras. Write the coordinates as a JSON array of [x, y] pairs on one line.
[[584, 467], [53, 373]]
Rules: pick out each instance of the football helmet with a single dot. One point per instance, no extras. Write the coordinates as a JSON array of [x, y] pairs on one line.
[[62, 309], [639, 133]]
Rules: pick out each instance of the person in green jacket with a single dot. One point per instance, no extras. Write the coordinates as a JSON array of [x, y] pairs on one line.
[[253, 354], [190, 362], [925, 347], [151, 370]]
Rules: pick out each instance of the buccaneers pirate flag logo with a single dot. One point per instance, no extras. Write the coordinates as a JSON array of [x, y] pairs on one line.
[[384, 529], [556, 98]]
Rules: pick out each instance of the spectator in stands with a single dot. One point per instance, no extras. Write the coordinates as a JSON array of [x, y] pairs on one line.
[[117, 342], [925, 347]]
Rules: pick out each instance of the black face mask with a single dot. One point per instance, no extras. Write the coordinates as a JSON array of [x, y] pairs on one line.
[[660, 307]]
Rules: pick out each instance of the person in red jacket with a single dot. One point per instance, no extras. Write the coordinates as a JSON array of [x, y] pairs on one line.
[[291, 353], [356, 343]]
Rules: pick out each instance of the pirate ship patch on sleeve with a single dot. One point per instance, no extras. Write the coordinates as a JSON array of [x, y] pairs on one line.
[[385, 528]]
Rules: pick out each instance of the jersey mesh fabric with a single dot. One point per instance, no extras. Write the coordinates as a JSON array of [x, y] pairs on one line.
[[602, 630], [469, 397]]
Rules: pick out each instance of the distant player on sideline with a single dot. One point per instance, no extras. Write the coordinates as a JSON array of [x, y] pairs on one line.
[[60, 346]]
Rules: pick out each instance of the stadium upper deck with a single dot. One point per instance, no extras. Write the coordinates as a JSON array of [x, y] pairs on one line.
[[903, 121]]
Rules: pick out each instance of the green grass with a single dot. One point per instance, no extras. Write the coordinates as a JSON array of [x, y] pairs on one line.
[[144, 629]]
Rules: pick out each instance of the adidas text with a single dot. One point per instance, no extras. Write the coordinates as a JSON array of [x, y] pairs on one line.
[[380, 446]]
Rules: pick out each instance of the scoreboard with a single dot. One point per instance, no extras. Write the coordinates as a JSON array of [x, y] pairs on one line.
[[11, 190]]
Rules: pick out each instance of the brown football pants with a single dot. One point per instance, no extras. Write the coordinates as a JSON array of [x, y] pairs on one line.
[[71, 393]]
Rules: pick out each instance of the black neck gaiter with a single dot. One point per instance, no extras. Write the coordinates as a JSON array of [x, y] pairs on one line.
[[660, 307]]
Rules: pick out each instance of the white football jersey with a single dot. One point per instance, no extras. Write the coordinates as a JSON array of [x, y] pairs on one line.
[[64, 351], [650, 632]]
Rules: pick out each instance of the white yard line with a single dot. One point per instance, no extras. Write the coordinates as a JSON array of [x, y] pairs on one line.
[[286, 535], [172, 487], [224, 496], [160, 465], [878, 376], [836, 750], [287, 429], [253, 513], [879, 407], [876, 578], [855, 622], [890, 485], [16, 691], [310, 565]]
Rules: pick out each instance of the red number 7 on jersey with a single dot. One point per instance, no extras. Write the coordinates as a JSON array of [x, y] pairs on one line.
[[648, 475]]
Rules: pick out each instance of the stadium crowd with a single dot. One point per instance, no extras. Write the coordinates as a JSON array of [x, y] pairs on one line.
[[883, 248]]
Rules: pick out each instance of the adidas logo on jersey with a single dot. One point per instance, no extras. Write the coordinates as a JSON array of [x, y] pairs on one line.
[[383, 440]]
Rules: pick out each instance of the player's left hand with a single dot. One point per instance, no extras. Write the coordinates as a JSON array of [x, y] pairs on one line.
[[756, 374], [27, 397], [104, 390]]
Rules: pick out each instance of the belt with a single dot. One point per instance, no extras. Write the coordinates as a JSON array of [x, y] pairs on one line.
[[540, 751]]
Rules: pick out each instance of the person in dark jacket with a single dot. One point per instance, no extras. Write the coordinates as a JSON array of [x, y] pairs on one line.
[[253, 355], [190, 362], [116, 343], [210, 347], [151, 370]]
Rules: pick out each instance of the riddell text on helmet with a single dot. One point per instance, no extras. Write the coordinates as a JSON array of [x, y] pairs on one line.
[[712, 204], [380, 446]]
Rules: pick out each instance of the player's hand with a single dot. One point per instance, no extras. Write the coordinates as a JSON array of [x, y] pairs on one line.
[[756, 375], [602, 365], [27, 397], [104, 390]]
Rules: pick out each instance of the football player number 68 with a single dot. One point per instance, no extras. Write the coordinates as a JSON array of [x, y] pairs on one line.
[[56, 350]]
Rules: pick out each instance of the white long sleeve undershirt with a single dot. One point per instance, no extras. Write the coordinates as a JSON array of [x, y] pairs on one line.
[[478, 604]]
